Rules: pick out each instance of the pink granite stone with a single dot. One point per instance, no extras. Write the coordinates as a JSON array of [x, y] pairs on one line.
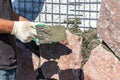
[[102, 65], [109, 24]]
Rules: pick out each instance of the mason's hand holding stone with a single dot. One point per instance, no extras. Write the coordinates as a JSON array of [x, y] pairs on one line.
[[25, 31]]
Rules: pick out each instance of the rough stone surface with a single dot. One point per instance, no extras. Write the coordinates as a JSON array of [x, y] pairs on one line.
[[102, 65], [109, 24], [62, 61]]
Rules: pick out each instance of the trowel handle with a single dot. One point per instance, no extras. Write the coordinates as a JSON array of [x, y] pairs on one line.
[[39, 25]]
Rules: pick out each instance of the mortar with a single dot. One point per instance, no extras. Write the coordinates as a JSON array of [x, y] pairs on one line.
[[50, 34]]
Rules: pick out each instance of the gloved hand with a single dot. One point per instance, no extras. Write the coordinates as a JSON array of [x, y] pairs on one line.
[[25, 31]]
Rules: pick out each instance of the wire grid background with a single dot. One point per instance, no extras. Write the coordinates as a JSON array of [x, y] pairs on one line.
[[54, 12]]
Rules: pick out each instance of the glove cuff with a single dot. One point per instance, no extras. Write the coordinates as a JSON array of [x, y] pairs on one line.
[[14, 27]]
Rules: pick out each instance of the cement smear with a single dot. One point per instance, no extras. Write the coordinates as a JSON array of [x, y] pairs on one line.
[[51, 34]]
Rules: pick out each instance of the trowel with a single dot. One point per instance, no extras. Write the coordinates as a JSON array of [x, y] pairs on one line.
[[47, 34]]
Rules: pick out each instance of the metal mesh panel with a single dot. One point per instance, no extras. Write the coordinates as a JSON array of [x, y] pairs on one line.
[[28, 8], [56, 11]]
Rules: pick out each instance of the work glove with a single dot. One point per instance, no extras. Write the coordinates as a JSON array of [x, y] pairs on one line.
[[25, 31]]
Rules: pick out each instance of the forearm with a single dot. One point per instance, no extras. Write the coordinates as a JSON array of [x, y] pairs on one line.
[[6, 26]]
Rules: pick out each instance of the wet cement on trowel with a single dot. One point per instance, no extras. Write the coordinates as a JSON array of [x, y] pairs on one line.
[[51, 34]]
